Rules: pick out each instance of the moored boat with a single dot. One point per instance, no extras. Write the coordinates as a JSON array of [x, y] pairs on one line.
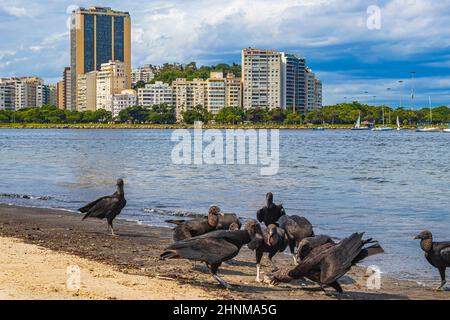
[[358, 124]]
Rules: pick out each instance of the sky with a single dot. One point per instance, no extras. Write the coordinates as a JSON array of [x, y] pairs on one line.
[[357, 48]]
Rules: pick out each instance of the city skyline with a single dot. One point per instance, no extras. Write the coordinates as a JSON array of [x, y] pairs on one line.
[[349, 57]]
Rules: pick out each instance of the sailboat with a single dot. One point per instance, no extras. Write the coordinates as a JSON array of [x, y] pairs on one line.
[[429, 129], [383, 128], [398, 124], [358, 124]]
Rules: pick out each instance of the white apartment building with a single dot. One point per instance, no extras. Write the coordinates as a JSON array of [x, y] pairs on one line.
[[313, 90], [261, 78], [125, 99], [111, 79], [87, 91], [29, 92], [145, 74], [7, 96], [154, 94]]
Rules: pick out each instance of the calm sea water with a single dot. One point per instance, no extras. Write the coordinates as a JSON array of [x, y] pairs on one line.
[[389, 184]]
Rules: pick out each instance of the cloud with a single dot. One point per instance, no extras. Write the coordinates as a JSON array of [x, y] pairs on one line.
[[50, 42], [18, 12]]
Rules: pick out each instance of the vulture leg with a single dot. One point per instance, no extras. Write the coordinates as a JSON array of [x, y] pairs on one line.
[[110, 225], [275, 268], [292, 245], [335, 285], [213, 269], [443, 282], [259, 256], [295, 260]]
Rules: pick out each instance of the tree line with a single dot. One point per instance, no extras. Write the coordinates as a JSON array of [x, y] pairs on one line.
[[344, 113], [169, 72]]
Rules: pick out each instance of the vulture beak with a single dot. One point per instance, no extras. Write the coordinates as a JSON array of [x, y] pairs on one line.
[[222, 214], [417, 237]]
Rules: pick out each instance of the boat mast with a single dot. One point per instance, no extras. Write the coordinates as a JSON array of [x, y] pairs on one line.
[[431, 112]]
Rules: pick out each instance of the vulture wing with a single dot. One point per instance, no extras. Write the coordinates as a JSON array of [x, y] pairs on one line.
[[207, 249], [89, 206], [340, 258], [445, 254], [101, 207]]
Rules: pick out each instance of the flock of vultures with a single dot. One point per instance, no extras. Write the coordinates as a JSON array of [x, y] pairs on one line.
[[218, 237]]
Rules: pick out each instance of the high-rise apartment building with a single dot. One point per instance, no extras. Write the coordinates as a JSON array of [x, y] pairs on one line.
[[87, 91], [28, 92], [99, 35], [51, 95], [274, 79], [314, 91], [215, 92], [25, 92], [293, 83], [60, 99], [144, 74], [111, 79], [154, 94], [233, 91], [189, 94], [64, 90], [317, 94], [261, 78], [7, 95]]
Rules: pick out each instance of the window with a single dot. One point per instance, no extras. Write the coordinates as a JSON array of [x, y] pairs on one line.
[[104, 39], [88, 43]]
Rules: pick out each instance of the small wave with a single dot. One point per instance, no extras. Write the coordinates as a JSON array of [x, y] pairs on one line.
[[23, 196], [173, 213], [373, 179]]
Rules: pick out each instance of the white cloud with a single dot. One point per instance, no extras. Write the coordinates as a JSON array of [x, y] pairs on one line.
[[18, 12], [184, 30]]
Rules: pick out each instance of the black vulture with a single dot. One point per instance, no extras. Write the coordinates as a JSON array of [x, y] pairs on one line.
[[327, 263], [273, 240], [197, 227], [297, 228], [214, 248], [308, 244], [229, 221], [271, 212], [436, 253], [234, 226], [108, 207]]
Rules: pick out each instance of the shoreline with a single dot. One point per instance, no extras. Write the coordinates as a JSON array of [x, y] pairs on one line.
[[186, 126], [61, 236]]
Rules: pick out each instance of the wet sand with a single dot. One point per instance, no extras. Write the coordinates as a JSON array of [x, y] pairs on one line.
[[37, 245]]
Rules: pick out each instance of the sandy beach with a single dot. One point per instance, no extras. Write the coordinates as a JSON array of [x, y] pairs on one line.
[[37, 246]]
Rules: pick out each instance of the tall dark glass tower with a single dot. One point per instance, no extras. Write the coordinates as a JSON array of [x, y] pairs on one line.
[[98, 35], [294, 86]]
